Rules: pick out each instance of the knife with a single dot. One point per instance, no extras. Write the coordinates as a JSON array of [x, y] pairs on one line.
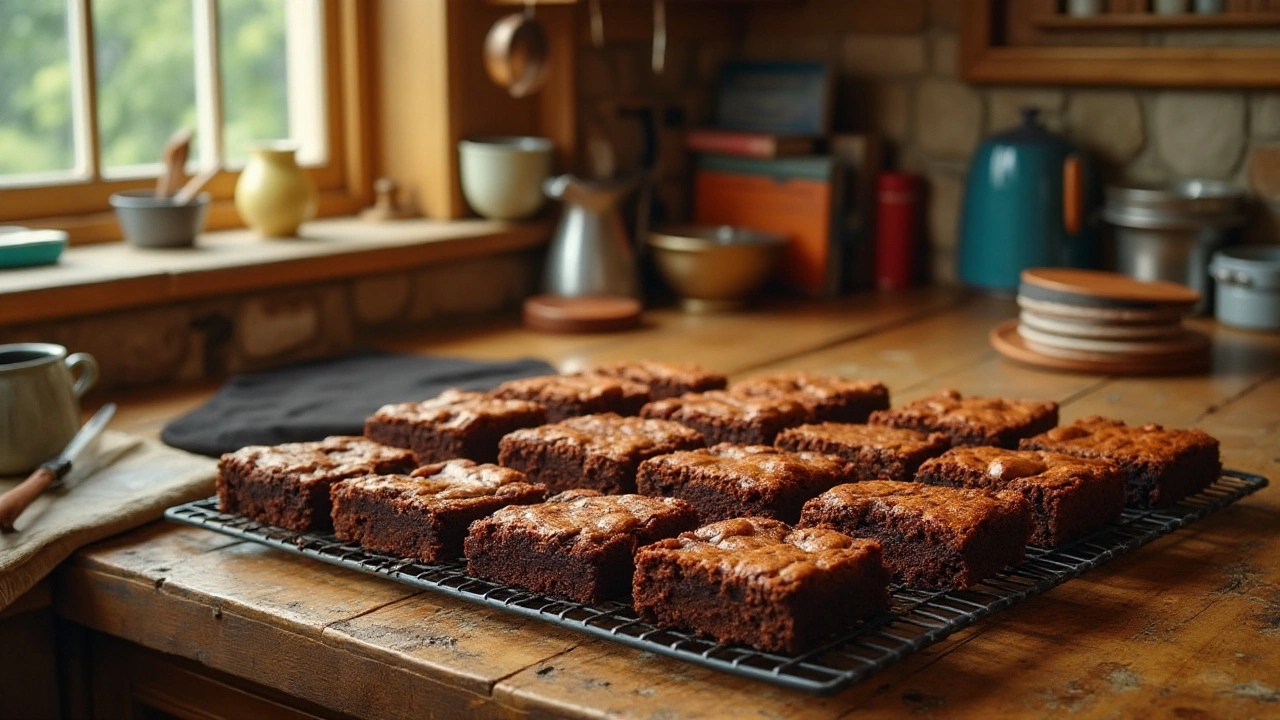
[[50, 475]]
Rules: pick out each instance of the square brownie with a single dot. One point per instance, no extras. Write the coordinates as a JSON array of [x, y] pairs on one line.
[[727, 481], [758, 581], [722, 416], [973, 420], [456, 424], [1161, 466], [664, 380], [567, 396], [598, 452], [579, 544], [1069, 496], [824, 397], [288, 485], [874, 452], [933, 537], [425, 514]]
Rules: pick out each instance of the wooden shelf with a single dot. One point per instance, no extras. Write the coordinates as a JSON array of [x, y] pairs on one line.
[[1148, 21], [1035, 57]]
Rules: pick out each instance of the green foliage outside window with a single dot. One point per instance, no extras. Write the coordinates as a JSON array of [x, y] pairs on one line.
[[146, 79]]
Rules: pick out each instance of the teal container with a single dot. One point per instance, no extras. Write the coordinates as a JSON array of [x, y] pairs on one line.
[[1028, 202], [21, 247]]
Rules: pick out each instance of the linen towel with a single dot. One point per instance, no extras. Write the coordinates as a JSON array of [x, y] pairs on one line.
[[134, 490]]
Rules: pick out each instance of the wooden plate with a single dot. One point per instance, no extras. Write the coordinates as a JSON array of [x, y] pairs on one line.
[[1103, 289], [595, 313], [1005, 339]]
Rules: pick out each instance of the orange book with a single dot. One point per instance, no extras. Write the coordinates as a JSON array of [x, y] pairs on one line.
[[794, 198]]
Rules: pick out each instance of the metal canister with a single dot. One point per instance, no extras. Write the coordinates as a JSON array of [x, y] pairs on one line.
[[1248, 287], [1170, 232]]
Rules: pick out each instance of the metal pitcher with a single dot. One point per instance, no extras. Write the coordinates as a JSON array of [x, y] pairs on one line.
[[39, 402], [590, 253]]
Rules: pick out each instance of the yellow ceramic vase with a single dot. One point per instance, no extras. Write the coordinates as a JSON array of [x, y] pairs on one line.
[[274, 196]]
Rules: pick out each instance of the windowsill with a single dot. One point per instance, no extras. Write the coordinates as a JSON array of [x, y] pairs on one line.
[[98, 278]]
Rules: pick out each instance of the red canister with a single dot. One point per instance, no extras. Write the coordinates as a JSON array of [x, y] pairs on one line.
[[897, 229]]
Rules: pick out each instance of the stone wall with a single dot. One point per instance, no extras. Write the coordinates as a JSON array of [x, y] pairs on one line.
[[616, 84], [209, 338], [898, 78]]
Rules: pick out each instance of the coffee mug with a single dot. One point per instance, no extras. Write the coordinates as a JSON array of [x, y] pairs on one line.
[[39, 402], [502, 176]]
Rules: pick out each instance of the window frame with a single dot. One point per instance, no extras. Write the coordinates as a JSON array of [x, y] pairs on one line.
[[344, 182]]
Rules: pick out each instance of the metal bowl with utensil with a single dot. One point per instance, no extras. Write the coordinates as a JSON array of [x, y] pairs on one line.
[[715, 268]]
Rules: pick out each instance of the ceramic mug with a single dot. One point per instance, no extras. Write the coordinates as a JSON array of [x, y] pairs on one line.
[[502, 176], [39, 402]]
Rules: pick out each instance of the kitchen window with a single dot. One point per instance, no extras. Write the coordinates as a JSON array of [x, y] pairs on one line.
[[93, 88]]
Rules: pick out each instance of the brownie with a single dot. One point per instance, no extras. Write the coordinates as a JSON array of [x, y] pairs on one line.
[[456, 424], [1160, 466], [567, 396], [758, 581], [664, 380], [1069, 496], [579, 544], [973, 420], [874, 452], [288, 485], [824, 397], [425, 514], [599, 452], [722, 416], [727, 481], [933, 537]]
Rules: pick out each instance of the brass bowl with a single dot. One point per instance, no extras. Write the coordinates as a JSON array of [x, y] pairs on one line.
[[715, 268]]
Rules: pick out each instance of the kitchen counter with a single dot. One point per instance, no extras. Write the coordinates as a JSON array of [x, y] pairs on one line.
[[1187, 626]]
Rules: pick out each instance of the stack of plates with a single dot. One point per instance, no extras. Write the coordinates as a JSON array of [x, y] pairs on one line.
[[1092, 321]]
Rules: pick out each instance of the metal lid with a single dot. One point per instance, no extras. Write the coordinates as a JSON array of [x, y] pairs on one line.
[[1179, 205], [1031, 132], [696, 237], [1255, 266]]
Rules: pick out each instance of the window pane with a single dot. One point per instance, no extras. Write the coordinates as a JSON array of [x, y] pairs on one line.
[[36, 125], [146, 78], [254, 74]]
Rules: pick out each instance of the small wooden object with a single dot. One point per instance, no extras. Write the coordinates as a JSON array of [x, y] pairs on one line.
[[16, 500], [1104, 289], [195, 185], [595, 313], [385, 206], [173, 163]]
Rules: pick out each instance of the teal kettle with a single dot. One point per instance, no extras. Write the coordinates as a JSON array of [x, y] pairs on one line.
[[1028, 201]]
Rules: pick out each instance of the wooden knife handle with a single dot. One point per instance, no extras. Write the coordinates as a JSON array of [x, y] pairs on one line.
[[16, 500]]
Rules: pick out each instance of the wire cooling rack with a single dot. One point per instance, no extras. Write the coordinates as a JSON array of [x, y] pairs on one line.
[[914, 621]]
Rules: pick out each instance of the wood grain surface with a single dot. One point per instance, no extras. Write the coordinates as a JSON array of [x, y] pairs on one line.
[[1185, 627]]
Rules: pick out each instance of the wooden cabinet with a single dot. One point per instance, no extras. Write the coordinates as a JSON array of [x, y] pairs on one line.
[[130, 682], [1035, 42]]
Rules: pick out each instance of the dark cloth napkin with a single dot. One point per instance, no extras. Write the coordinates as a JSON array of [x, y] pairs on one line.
[[312, 400]]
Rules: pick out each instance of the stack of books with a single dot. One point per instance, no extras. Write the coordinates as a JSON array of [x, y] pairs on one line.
[[772, 164]]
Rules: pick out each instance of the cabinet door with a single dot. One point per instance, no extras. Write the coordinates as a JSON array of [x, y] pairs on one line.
[[133, 683]]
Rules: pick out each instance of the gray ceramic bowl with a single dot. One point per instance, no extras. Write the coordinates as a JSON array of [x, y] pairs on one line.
[[152, 222]]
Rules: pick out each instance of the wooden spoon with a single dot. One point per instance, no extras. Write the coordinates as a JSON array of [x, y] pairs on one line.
[[173, 161], [195, 185]]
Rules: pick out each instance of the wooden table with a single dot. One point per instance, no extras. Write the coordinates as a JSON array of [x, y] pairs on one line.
[[1187, 627]]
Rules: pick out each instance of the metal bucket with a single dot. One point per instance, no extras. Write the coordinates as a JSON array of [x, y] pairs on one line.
[[1169, 233]]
